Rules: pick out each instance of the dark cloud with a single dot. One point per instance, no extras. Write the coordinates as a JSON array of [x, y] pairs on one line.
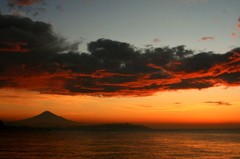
[[33, 57], [219, 103], [37, 36]]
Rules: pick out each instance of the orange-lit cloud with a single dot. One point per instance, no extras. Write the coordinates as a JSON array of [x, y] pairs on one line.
[[109, 68], [14, 47]]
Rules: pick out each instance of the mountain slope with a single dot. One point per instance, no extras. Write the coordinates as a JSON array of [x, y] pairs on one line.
[[45, 119]]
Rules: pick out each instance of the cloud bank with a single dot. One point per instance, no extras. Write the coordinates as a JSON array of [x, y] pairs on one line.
[[33, 57]]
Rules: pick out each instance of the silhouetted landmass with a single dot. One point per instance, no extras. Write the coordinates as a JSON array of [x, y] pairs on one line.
[[114, 127], [88, 128], [50, 121], [44, 120], [1, 125]]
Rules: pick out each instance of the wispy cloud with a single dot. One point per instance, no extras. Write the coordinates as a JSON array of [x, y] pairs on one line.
[[177, 103], [207, 38], [219, 103], [234, 35], [238, 24], [145, 106], [156, 40], [193, 1]]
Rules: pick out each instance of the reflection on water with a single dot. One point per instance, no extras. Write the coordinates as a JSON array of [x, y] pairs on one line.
[[119, 145]]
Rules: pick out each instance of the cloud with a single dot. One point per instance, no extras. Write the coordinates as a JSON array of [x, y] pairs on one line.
[[234, 35], [156, 40], [177, 103], [33, 57], [145, 106], [206, 38], [23, 2], [238, 24], [13, 47], [219, 103], [59, 7], [194, 1], [23, 7]]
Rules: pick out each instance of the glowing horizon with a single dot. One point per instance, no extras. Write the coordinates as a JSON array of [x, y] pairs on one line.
[[143, 110]]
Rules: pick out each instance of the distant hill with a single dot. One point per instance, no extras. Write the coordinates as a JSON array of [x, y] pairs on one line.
[[45, 119], [115, 127]]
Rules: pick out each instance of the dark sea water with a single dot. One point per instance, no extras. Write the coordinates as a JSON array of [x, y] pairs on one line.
[[119, 145]]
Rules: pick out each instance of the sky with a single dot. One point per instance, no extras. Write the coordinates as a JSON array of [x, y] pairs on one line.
[[155, 62]]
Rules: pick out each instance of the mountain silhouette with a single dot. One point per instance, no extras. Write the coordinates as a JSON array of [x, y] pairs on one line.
[[45, 119], [1, 125], [49, 120]]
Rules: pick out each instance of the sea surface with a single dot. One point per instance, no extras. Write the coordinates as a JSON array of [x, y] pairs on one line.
[[119, 145]]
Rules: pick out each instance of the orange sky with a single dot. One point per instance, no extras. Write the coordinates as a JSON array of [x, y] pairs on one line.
[[187, 106]]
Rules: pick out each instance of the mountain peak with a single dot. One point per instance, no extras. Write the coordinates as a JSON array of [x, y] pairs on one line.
[[45, 119], [47, 113]]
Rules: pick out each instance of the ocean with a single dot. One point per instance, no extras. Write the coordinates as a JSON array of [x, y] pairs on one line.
[[198, 144]]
